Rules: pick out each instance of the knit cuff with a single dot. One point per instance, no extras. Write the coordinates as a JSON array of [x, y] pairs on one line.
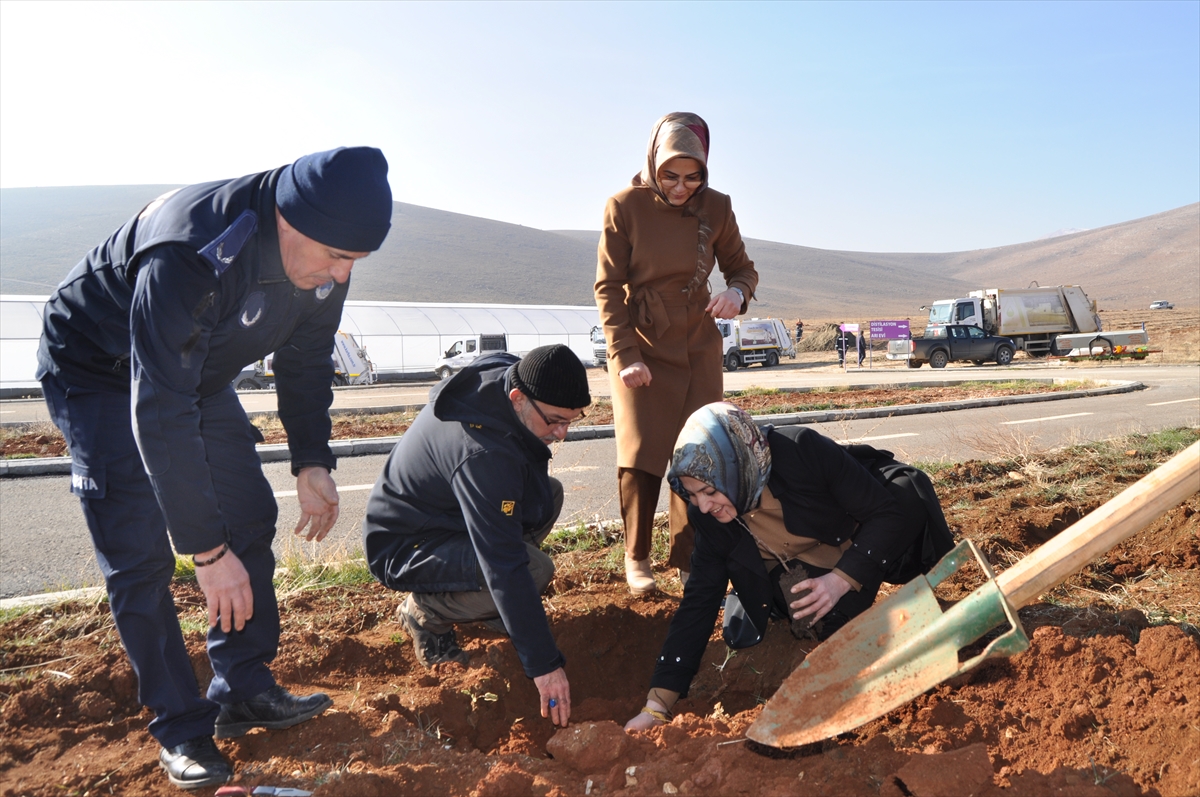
[[667, 698]]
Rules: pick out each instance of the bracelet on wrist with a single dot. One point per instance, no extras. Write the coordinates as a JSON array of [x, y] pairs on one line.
[[211, 559], [661, 716]]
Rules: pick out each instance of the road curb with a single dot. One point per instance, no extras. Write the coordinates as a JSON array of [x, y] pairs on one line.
[[48, 466], [52, 598]]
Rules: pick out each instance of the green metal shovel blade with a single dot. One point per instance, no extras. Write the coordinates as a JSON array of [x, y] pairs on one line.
[[887, 656]]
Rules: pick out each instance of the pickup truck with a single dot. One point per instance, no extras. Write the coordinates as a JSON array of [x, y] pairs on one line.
[[945, 343]]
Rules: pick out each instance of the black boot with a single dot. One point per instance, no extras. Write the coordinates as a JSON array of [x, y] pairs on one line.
[[830, 624], [275, 709], [195, 763], [433, 648]]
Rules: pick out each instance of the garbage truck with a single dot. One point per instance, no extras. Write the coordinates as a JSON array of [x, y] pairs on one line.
[[1033, 317], [754, 340], [351, 366], [599, 348]]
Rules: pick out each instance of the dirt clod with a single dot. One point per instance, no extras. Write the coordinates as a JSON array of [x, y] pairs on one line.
[[589, 746], [803, 627]]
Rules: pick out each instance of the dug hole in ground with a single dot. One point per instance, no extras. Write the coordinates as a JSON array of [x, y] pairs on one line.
[[1103, 703]]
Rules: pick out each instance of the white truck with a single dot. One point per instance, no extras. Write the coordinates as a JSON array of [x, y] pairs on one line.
[[754, 340], [463, 352], [1033, 317], [351, 366], [599, 348]]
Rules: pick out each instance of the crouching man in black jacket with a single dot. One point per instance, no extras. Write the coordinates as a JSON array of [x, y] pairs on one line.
[[464, 502]]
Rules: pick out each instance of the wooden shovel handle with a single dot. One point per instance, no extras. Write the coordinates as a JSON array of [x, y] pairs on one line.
[[1122, 517]]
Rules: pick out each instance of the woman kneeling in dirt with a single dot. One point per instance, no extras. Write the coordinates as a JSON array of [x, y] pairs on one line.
[[790, 510]]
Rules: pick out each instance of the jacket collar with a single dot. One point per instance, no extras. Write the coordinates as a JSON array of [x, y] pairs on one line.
[[270, 261]]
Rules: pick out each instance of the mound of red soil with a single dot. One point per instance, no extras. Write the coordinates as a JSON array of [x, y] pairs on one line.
[[1094, 712], [1102, 703]]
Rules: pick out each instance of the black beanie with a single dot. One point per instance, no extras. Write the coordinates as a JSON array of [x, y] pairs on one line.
[[553, 375], [340, 197]]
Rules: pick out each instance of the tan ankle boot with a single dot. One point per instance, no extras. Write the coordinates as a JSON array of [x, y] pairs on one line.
[[639, 576]]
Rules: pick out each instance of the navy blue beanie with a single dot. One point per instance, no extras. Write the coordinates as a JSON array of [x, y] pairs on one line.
[[340, 197]]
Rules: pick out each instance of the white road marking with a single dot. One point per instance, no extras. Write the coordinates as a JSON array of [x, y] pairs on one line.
[[1176, 401], [1047, 418], [348, 489], [576, 468], [8, 412], [878, 437]]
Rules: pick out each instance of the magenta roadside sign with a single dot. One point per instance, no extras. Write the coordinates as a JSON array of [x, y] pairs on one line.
[[890, 330]]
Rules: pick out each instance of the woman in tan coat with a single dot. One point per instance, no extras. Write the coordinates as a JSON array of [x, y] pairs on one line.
[[661, 238]]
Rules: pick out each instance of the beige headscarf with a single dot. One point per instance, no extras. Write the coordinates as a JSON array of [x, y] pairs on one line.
[[680, 135], [676, 135]]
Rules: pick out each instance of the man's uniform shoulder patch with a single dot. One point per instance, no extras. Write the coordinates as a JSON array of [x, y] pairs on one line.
[[507, 507], [222, 250]]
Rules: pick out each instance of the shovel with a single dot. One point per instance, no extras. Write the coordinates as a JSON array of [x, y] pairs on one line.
[[906, 645]]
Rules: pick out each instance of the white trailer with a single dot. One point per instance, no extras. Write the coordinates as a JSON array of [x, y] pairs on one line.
[[1121, 343]]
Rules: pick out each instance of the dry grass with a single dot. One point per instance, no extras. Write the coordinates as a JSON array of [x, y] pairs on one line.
[[1155, 593], [1026, 454], [33, 629], [990, 502]]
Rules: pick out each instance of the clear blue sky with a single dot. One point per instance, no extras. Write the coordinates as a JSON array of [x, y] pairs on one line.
[[870, 126]]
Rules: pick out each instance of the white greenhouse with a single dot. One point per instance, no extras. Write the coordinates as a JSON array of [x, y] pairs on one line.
[[20, 329], [400, 337], [408, 337]]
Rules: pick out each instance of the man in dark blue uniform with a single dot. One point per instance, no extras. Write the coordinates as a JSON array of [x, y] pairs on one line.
[[138, 348]]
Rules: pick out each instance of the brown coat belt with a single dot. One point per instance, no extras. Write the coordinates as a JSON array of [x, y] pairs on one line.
[[651, 309]]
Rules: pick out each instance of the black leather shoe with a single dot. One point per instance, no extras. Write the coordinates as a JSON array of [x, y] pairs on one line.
[[275, 709], [195, 763]]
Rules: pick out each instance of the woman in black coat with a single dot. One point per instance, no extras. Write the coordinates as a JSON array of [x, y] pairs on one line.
[[785, 503]]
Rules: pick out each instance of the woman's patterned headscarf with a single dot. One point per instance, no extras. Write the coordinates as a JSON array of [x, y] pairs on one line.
[[721, 445]]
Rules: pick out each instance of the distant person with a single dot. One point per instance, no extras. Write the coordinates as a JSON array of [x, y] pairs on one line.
[[862, 348], [843, 341], [799, 329], [459, 514], [661, 238], [139, 345], [787, 506]]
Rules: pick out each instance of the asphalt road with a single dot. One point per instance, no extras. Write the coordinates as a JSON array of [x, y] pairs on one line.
[[44, 545], [787, 374]]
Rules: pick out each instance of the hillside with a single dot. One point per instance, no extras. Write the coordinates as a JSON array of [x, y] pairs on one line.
[[434, 255], [1123, 267], [46, 231]]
